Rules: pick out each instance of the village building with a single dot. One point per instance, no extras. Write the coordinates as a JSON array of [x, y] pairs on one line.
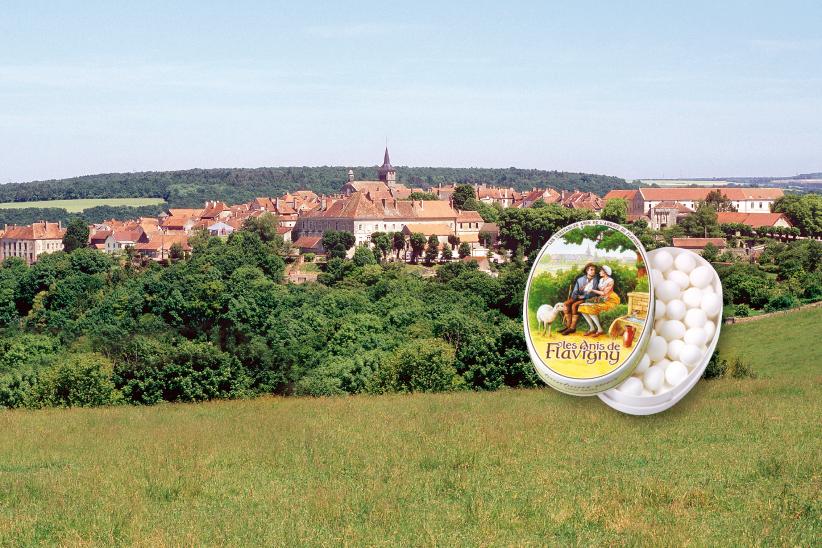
[[698, 244], [744, 199], [547, 195], [29, 242], [754, 220], [159, 247], [120, 239], [581, 200]]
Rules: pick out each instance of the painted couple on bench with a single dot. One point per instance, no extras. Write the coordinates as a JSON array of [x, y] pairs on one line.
[[593, 293]]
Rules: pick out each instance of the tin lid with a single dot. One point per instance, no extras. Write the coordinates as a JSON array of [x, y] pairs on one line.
[[588, 307]]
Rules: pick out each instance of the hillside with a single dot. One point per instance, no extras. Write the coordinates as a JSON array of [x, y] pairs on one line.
[[234, 185], [488, 468]]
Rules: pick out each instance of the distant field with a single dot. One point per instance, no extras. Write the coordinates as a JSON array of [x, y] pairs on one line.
[[683, 182], [735, 463], [76, 206]]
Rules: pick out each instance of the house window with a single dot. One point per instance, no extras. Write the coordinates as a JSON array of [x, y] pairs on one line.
[[760, 205]]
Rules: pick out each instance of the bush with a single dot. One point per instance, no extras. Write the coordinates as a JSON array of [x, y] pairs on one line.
[[309, 257], [425, 365], [781, 302], [742, 310], [740, 370], [79, 380], [716, 367]]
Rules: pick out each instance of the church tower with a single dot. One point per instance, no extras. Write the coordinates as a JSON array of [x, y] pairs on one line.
[[388, 174]]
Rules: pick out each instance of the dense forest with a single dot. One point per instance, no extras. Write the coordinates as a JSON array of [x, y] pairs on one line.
[[192, 187]]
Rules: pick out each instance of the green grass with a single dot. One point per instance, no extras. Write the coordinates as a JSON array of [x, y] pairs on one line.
[[736, 462], [778, 345], [76, 206]]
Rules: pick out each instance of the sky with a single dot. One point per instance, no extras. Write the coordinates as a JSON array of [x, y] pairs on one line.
[[633, 89]]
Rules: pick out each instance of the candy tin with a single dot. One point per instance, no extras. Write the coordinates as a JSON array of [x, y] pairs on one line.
[[588, 309]]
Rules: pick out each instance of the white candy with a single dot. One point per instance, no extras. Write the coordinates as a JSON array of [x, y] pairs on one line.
[[646, 392], [695, 317], [668, 291], [672, 329], [710, 329], [675, 373], [692, 297], [657, 348], [695, 336], [685, 262], [662, 363], [690, 355], [632, 386], [663, 261], [658, 325], [711, 304], [643, 365], [675, 310], [674, 348], [702, 276], [679, 278], [657, 277], [652, 379], [659, 309]]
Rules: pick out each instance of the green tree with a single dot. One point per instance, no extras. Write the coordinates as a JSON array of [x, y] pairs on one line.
[[76, 235], [78, 380], [710, 252], [461, 194], [419, 366], [176, 252], [417, 242], [425, 196], [382, 243], [719, 201], [265, 226], [432, 250], [701, 223], [616, 210], [447, 254], [804, 212], [398, 242], [337, 243], [464, 250], [363, 256]]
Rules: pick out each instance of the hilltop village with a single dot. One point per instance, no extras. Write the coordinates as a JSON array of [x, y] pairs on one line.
[[363, 208]]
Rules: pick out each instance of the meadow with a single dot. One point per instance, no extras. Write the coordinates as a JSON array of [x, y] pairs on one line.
[[76, 206], [736, 462]]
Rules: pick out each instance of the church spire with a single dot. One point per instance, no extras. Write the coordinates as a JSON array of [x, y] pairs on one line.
[[387, 172], [386, 162]]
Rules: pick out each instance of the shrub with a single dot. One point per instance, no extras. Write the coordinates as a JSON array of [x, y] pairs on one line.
[[78, 380], [742, 310], [740, 370], [716, 367], [425, 365], [308, 257], [781, 302]]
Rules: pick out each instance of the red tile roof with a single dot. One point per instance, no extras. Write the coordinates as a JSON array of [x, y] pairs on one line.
[[751, 219], [308, 242], [36, 231], [429, 229], [698, 194], [626, 194]]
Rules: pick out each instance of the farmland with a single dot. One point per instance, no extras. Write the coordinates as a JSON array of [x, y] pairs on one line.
[[76, 206], [737, 461]]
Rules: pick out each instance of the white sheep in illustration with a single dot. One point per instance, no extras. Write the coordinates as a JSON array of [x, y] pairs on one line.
[[546, 314]]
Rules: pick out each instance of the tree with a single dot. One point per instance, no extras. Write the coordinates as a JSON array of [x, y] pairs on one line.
[[432, 250], [616, 210], [78, 380], [710, 252], [701, 223], [461, 194], [719, 201], [337, 243], [447, 254], [421, 366], [76, 235], [417, 241], [176, 252], [486, 239], [424, 196], [382, 244], [464, 250], [804, 212], [265, 226], [363, 256], [398, 242]]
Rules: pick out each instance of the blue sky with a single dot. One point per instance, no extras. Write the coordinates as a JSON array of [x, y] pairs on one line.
[[645, 89]]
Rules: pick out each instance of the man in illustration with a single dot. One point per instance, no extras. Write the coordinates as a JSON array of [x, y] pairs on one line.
[[583, 289]]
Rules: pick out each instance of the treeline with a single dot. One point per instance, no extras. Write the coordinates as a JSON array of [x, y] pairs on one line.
[[86, 328], [97, 214], [191, 188]]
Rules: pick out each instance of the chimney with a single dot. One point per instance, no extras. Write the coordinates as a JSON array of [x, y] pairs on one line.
[[350, 175]]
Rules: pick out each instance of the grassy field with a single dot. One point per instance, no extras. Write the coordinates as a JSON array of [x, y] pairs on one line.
[[76, 206], [683, 182], [736, 462]]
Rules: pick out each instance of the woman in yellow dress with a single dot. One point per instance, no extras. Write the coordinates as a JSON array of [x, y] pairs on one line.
[[607, 300]]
